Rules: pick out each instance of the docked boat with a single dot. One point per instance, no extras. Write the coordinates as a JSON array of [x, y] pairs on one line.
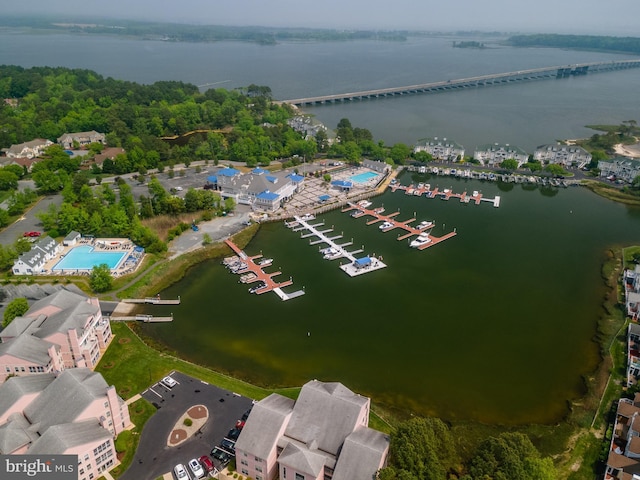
[[248, 277], [364, 203], [386, 225], [424, 225], [356, 213], [421, 240], [421, 185], [379, 210], [265, 262], [307, 216], [257, 287], [332, 253]]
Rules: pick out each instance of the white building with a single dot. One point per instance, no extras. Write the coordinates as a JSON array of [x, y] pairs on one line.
[[33, 261], [440, 149], [81, 138], [494, 154], [31, 149], [565, 155], [619, 168]]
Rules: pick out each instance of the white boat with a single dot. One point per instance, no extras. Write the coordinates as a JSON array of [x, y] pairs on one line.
[[453, 172], [421, 185], [386, 225], [422, 239], [258, 287], [475, 193], [364, 203], [424, 225], [332, 254], [265, 262], [357, 213], [417, 192], [379, 210], [307, 217]]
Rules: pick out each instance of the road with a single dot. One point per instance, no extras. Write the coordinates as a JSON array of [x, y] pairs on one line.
[[29, 221]]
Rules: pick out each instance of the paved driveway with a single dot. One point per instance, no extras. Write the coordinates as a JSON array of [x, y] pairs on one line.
[[28, 222], [154, 457]]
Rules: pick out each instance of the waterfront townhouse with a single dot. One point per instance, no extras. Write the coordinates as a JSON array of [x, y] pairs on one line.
[[440, 149], [623, 461], [633, 353], [619, 168], [493, 154], [33, 261], [565, 155], [322, 435], [262, 190], [63, 330], [81, 139], [75, 413], [31, 149]]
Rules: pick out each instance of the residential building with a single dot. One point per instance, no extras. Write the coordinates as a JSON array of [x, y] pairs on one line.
[[376, 166], [61, 331], [323, 435], [81, 139], [74, 413], [494, 154], [440, 149], [31, 149], [623, 461], [24, 162], [306, 126], [633, 354], [565, 155], [620, 168], [33, 261], [108, 153], [263, 190]]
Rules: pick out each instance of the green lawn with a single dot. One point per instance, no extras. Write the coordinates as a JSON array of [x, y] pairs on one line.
[[127, 442]]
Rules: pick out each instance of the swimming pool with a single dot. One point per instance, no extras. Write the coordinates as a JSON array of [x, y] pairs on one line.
[[85, 258], [364, 177]]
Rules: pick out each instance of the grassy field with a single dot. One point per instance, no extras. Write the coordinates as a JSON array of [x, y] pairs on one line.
[[612, 193]]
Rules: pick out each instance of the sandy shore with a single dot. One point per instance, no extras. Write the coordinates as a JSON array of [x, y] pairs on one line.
[[632, 151]]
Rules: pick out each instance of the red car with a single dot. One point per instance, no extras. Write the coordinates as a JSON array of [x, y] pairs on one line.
[[31, 234], [207, 464]]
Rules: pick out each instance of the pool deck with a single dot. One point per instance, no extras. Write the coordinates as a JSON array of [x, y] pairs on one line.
[[123, 246]]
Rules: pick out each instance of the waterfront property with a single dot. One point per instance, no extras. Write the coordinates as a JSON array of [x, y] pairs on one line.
[[493, 154], [623, 461], [74, 413], [619, 168], [440, 149], [34, 261], [322, 434], [565, 155], [63, 330]]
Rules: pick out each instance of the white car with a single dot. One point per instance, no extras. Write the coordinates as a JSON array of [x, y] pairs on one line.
[[168, 382], [196, 468], [181, 472]]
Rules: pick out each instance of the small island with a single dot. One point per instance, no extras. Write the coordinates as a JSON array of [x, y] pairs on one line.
[[469, 44]]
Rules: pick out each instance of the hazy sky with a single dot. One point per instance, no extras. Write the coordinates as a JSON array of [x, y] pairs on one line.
[[614, 17]]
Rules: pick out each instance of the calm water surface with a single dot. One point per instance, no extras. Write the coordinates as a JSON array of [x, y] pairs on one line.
[[495, 324]]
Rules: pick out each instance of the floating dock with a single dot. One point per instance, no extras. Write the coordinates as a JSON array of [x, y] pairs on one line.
[[378, 216], [153, 301], [424, 189], [142, 318], [356, 266], [252, 272]]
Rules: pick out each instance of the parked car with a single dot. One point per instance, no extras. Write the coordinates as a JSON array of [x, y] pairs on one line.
[[233, 434], [196, 468], [220, 455], [31, 234], [168, 382], [245, 415], [207, 464], [181, 472], [228, 445]]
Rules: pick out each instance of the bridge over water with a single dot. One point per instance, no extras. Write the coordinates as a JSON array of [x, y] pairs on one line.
[[565, 71]]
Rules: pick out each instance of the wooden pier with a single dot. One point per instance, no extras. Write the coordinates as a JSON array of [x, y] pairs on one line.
[[445, 194], [249, 266], [153, 301], [142, 318], [378, 216]]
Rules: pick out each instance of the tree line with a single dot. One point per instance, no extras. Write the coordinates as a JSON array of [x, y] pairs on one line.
[[583, 42]]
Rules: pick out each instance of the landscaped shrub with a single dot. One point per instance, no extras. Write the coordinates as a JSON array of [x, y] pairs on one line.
[[188, 422]]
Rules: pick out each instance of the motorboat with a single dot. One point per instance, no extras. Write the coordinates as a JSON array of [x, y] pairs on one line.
[[364, 203], [265, 262], [257, 287], [332, 254], [386, 225], [307, 216], [379, 210], [421, 185], [356, 213], [421, 240], [424, 225]]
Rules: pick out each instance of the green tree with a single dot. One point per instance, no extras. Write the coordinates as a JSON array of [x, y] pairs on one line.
[[399, 153], [100, 279], [555, 169], [8, 180], [509, 164], [16, 308], [510, 456]]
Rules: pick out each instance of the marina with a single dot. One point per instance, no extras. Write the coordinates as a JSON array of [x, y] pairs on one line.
[[424, 238], [356, 266], [424, 189], [251, 270], [153, 300], [142, 318]]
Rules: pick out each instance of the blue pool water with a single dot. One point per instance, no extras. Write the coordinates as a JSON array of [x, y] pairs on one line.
[[364, 177], [85, 257]]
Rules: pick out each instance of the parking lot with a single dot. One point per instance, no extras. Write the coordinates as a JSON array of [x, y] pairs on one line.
[[154, 457]]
